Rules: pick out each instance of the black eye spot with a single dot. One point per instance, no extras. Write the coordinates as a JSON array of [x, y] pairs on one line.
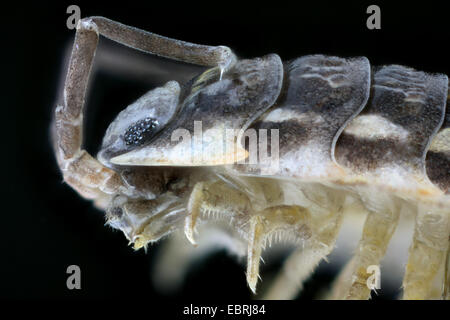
[[137, 132]]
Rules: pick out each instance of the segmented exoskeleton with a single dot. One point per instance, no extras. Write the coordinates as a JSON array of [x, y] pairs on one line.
[[337, 130]]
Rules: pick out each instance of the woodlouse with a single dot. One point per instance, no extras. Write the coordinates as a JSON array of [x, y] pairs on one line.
[[346, 132]]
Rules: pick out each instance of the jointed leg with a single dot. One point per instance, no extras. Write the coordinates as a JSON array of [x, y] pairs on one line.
[[378, 228], [377, 232], [213, 199], [427, 253], [325, 219], [446, 294], [219, 200], [342, 282], [256, 238], [84, 173], [299, 266], [196, 200]]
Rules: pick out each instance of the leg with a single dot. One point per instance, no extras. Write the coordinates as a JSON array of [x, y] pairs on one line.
[[379, 226], [291, 223], [196, 199], [437, 288], [218, 199], [377, 232], [446, 294], [213, 199], [427, 253], [80, 170], [256, 238], [299, 266], [341, 283]]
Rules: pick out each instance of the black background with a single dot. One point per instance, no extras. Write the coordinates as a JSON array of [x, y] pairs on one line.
[[46, 226]]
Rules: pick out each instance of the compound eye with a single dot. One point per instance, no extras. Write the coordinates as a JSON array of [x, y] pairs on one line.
[[140, 121], [140, 131]]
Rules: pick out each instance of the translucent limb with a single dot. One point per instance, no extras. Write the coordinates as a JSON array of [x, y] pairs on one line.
[[427, 253], [379, 226], [302, 263], [256, 237], [446, 294]]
